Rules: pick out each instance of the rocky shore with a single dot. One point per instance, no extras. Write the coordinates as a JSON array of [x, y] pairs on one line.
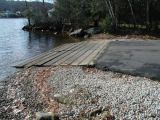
[[78, 93]]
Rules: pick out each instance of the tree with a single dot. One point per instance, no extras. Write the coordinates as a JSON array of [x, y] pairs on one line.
[[115, 13], [28, 13], [148, 14], [131, 7]]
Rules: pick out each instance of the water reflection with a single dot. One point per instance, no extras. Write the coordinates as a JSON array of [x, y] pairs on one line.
[[17, 45]]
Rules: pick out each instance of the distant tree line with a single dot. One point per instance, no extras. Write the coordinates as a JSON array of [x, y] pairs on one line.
[[108, 14], [14, 6]]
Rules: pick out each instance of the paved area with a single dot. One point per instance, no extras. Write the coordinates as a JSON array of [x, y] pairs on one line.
[[134, 57]]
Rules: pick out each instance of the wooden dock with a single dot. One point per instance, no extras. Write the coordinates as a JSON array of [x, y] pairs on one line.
[[82, 54]]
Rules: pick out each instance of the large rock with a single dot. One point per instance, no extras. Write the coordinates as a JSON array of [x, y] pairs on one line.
[[27, 28], [78, 33], [93, 30]]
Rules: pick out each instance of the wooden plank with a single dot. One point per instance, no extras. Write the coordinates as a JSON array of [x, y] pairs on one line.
[[24, 62], [67, 56], [75, 57], [73, 48], [52, 56], [106, 45], [82, 53], [63, 46], [92, 57], [66, 47], [84, 56]]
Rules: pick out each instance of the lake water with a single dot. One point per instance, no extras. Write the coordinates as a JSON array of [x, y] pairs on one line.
[[17, 45]]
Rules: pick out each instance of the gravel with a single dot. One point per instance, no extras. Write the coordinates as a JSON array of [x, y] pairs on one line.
[[78, 92]]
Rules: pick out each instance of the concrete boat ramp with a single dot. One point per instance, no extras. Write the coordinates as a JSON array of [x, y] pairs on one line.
[[82, 54]]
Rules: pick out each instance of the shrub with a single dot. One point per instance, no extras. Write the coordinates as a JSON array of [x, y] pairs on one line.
[[105, 24]]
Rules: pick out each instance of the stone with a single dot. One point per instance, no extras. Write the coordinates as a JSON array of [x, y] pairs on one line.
[[93, 30], [63, 99], [78, 33], [72, 90], [46, 116], [95, 112], [105, 116], [27, 28], [153, 115]]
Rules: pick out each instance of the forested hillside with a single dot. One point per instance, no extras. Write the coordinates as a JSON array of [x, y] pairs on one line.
[[109, 15], [20, 5], [132, 13]]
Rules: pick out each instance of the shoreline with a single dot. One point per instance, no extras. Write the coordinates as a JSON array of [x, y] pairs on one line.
[[93, 32], [79, 92], [103, 36], [52, 89]]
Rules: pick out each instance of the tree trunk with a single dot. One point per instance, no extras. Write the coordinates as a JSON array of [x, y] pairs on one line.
[[110, 8], [116, 12], [134, 18], [29, 19], [147, 14], [26, 4], [43, 3]]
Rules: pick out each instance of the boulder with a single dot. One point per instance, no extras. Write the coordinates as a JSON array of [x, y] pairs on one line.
[[93, 30], [78, 33], [27, 28]]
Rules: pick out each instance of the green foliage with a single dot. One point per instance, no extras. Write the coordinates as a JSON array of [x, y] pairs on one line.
[[80, 13], [29, 13], [39, 16], [108, 14], [105, 24]]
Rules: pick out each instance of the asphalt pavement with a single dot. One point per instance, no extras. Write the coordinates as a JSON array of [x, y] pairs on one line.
[[135, 57]]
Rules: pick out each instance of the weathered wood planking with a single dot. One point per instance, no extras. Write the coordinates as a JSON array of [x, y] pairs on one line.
[[82, 53], [45, 55], [60, 62], [89, 60], [86, 54], [66, 56], [56, 54], [78, 55], [27, 61], [59, 55]]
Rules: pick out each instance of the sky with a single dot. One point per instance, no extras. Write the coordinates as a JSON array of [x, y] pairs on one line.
[[50, 1]]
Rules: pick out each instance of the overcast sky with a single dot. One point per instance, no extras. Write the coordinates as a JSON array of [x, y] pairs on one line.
[[50, 1]]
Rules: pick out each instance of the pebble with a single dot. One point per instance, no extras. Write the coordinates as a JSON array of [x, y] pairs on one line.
[[86, 90], [46, 116], [122, 93]]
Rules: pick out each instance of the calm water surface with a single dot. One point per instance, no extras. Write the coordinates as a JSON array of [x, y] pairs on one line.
[[17, 45]]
